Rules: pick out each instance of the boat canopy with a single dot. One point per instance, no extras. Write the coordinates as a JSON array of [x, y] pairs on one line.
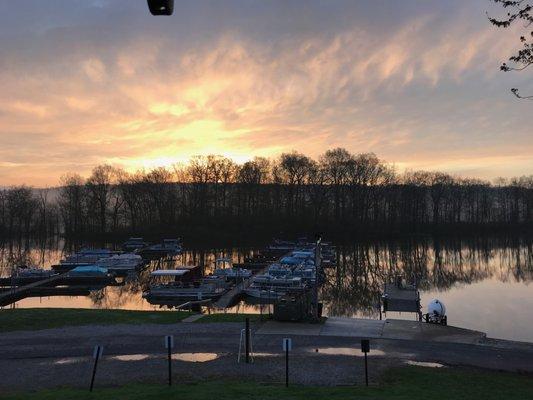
[[291, 260], [88, 270]]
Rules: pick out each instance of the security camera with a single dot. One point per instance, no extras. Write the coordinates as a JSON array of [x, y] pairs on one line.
[[161, 7]]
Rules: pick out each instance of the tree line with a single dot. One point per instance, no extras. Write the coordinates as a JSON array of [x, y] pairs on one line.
[[338, 192]]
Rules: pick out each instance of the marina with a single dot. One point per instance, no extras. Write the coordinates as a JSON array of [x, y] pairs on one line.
[[351, 288], [266, 200]]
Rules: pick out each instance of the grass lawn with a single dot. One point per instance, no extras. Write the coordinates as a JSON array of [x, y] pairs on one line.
[[232, 317], [408, 383], [43, 318]]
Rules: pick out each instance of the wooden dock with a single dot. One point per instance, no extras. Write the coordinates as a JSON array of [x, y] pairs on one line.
[[12, 295], [228, 298]]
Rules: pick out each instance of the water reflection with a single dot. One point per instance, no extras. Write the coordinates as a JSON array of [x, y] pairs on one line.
[[185, 357], [195, 357], [494, 272], [346, 351], [424, 364], [355, 286], [131, 357]]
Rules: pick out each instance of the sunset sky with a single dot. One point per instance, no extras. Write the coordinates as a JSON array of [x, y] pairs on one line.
[[84, 82]]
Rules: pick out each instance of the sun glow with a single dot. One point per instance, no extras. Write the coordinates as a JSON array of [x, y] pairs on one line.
[[176, 145]]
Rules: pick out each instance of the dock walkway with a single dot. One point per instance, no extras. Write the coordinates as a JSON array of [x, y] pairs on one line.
[[229, 297], [11, 296], [371, 328]]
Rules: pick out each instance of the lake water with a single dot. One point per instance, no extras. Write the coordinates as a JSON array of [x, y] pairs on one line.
[[485, 283]]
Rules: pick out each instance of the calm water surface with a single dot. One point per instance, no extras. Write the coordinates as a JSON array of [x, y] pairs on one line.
[[484, 283]]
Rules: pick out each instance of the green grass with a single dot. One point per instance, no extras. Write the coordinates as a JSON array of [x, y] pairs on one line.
[[232, 317], [44, 318], [410, 383]]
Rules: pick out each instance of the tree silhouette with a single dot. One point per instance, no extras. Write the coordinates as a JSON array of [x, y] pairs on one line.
[[517, 11]]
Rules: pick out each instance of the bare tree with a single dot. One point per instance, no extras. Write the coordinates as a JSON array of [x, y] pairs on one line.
[[518, 11]]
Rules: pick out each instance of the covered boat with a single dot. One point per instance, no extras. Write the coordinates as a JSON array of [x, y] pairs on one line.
[[89, 274], [173, 287]]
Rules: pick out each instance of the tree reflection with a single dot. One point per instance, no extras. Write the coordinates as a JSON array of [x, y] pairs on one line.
[[354, 287], [363, 268]]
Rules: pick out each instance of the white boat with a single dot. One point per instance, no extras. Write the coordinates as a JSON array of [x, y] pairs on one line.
[[121, 263], [176, 286], [269, 287], [224, 269], [134, 243], [82, 258], [88, 256], [279, 270], [168, 247]]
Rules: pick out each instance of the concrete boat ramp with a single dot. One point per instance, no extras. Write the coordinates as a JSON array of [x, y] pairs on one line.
[[370, 328]]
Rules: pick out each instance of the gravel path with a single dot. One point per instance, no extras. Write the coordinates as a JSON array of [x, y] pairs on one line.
[[62, 357]]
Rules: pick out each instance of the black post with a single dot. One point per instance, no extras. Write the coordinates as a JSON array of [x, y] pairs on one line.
[[287, 366], [366, 370], [97, 356], [260, 307], [365, 348], [169, 350], [247, 340]]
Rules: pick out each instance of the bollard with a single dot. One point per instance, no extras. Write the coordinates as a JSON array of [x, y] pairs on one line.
[[365, 348], [97, 353]]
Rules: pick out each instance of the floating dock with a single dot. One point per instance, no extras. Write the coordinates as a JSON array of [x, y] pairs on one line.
[[229, 298], [12, 295]]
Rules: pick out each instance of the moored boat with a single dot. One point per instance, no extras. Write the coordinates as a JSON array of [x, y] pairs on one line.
[[176, 286], [134, 243], [121, 264], [268, 287], [84, 257], [168, 247], [88, 275], [224, 268]]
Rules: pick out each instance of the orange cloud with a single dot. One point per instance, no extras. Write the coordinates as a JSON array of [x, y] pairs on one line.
[[417, 93]]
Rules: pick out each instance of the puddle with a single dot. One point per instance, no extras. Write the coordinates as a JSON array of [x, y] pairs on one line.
[[266, 354], [186, 357], [424, 364], [346, 351], [70, 360], [131, 357], [195, 357]]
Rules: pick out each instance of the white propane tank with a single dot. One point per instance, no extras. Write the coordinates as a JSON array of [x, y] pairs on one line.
[[436, 308]]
